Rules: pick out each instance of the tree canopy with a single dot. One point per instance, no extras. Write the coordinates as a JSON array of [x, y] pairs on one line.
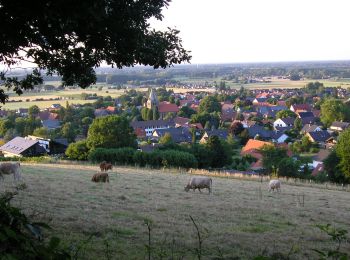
[[72, 38], [334, 110], [343, 152], [111, 132]]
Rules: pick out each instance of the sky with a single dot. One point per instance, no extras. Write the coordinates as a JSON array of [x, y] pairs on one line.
[[234, 31]]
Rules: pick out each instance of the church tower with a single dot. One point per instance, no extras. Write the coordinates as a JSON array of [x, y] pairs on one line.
[[152, 101]]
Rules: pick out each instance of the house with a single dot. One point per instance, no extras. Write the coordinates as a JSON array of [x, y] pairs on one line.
[[164, 108], [320, 157], [178, 135], [51, 146], [305, 114], [284, 122], [51, 124], [19, 147], [279, 137], [99, 112], [218, 132], [150, 125], [339, 126], [296, 108], [252, 148], [261, 132], [310, 128], [258, 130], [319, 137], [55, 106], [22, 111]]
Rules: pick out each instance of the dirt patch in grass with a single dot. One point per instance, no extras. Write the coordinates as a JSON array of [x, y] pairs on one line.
[[236, 220]]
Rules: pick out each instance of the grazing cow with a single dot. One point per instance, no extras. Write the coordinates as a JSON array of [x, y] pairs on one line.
[[199, 183], [104, 166], [10, 168], [275, 185], [100, 177], [108, 166]]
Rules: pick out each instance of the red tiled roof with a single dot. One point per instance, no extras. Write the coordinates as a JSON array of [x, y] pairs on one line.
[[253, 145], [166, 107], [181, 120], [110, 109]]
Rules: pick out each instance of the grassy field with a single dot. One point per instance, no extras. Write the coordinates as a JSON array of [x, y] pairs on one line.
[[240, 219]]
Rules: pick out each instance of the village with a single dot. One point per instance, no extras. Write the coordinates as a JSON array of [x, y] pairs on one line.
[[248, 120]]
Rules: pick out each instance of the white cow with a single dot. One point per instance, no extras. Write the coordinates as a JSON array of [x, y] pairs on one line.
[[275, 185], [199, 183]]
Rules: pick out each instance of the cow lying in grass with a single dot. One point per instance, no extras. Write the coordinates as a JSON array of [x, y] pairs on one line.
[[100, 177], [10, 168], [105, 166], [199, 183], [275, 185]]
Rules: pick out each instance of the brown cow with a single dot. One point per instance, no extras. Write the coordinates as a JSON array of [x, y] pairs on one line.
[[100, 177], [10, 168], [102, 165]]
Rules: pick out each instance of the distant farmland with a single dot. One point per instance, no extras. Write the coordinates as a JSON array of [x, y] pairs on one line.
[[240, 219]]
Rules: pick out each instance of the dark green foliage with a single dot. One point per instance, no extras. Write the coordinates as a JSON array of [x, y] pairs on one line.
[[209, 104], [220, 152], [120, 156], [211, 119], [78, 150], [158, 158], [236, 128], [186, 111], [272, 157], [61, 40], [334, 110], [343, 153], [285, 113], [111, 132], [338, 236], [22, 239], [331, 166]]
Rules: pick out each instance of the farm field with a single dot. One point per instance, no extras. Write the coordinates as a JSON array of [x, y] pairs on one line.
[[240, 219]]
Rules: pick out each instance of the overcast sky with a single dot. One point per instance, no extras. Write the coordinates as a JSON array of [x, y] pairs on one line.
[[230, 31]]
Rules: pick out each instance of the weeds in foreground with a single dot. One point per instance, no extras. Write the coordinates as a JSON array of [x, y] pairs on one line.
[[339, 236]]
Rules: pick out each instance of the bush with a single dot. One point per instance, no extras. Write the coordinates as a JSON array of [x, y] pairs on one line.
[[119, 156], [78, 150], [22, 239]]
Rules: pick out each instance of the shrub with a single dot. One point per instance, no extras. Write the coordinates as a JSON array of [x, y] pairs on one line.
[[121, 156], [78, 150]]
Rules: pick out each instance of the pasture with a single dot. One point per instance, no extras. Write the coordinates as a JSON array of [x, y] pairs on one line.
[[239, 219]]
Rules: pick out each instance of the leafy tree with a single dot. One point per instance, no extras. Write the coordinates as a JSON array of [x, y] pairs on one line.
[[285, 113], [68, 131], [239, 117], [186, 111], [33, 111], [236, 128], [60, 40], [331, 167], [272, 157], [288, 167], [209, 104], [41, 132], [334, 110], [166, 139], [221, 154], [78, 150], [244, 137], [111, 132], [343, 153], [155, 113], [5, 125], [298, 124]]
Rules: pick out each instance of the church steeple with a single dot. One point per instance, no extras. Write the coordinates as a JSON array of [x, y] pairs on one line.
[[152, 101]]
